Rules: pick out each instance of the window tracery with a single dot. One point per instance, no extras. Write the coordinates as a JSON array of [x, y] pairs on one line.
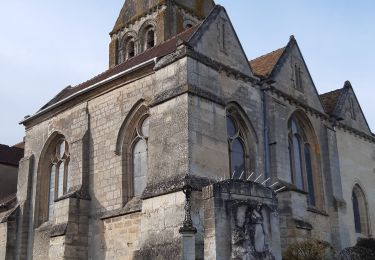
[[132, 144], [140, 156], [236, 149], [59, 174], [303, 160], [242, 144]]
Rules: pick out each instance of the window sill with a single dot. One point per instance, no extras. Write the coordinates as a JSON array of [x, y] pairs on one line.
[[78, 194], [317, 211], [291, 187], [133, 206]]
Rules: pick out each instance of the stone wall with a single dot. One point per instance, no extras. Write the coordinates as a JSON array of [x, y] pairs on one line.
[[121, 236], [8, 231], [357, 164]]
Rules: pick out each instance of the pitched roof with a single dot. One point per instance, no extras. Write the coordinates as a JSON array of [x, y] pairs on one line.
[[20, 145], [157, 51], [263, 65], [330, 100], [10, 155]]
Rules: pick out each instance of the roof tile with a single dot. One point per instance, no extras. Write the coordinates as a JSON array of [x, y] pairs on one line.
[[10, 155], [263, 65], [330, 100]]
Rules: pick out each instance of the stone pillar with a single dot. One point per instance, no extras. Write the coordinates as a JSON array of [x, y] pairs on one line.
[[188, 243]]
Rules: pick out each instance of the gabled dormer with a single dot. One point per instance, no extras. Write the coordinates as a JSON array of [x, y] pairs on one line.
[[143, 24], [343, 105], [287, 68]]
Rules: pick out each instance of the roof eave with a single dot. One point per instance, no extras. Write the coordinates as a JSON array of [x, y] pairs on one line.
[[92, 87]]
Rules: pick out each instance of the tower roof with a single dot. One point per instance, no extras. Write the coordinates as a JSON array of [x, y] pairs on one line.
[[134, 9]]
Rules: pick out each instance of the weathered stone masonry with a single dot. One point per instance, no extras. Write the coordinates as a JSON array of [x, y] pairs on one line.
[[189, 80]]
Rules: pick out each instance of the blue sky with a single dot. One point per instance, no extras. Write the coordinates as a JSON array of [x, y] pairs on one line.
[[46, 45]]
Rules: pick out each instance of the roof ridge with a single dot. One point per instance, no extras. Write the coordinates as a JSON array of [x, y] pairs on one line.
[[269, 53], [146, 51], [331, 92]]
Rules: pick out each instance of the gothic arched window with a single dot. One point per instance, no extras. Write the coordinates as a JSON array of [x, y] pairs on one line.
[[59, 171], [53, 178], [236, 150], [132, 144], [241, 144], [140, 156], [360, 211], [303, 159]]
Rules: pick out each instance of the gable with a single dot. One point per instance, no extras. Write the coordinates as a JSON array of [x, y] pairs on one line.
[[292, 77], [217, 39], [350, 111]]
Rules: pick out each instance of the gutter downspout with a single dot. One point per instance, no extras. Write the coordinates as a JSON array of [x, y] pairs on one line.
[[265, 133]]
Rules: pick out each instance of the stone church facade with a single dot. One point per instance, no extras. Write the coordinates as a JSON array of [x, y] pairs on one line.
[[183, 149]]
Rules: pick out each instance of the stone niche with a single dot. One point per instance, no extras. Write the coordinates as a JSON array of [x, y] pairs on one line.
[[241, 221]]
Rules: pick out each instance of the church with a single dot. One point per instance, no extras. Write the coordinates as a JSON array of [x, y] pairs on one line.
[[185, 149]]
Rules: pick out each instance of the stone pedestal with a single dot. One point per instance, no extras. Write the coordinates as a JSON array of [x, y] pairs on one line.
[[188, 243]]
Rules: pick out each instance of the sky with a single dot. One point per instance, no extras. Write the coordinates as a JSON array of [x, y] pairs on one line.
[[47, 45]]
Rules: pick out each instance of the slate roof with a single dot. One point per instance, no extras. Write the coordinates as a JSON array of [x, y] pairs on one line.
[[157, 51], [263, 65], [10, 155], [330, 100]]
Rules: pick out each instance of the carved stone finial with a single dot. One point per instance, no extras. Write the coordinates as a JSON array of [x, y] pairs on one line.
[[347, 84]]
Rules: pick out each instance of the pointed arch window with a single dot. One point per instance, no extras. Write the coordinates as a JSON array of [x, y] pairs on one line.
[[303, 160], [140, 156], [236, 149], [241, 144], [132, 144], [360, 214], [59, 173]]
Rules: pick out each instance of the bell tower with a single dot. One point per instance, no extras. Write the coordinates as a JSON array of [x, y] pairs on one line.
[[142, 24]]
